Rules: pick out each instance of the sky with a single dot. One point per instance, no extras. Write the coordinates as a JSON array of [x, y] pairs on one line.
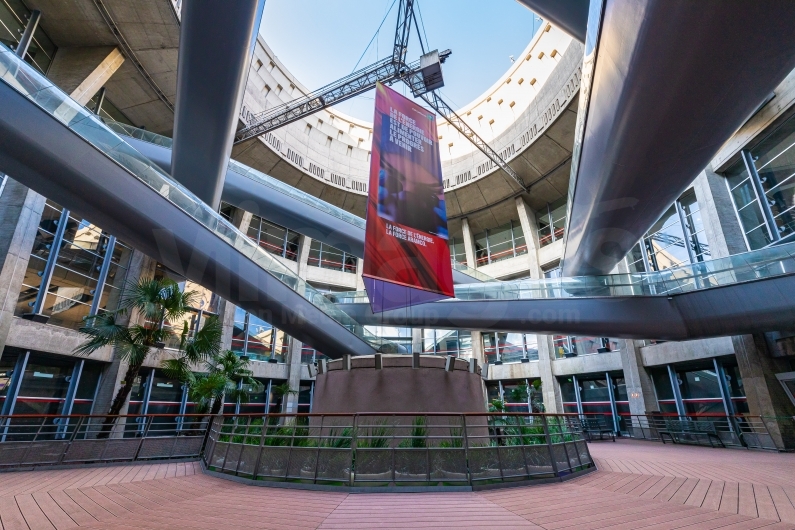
[[321, 41]]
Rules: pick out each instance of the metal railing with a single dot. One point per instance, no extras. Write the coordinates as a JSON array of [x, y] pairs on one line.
[[396, 449], [752, 432], [36, 440]]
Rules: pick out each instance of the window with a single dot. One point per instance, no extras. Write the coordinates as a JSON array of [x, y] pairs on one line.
[[258, 339], [274, 238], [510, 347], [328, 257], [401, 337], [567, 346], [458, 251], [768, 169], [497, 244], [667, 244], [76, 287], [551, 222], [447, 342]]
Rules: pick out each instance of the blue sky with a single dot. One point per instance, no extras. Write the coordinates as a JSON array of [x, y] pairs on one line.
[[321, 40]]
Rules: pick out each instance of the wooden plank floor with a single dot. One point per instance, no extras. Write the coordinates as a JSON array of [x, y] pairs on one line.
[[639, 485]]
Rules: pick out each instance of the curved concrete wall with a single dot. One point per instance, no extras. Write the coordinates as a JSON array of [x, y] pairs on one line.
[[398, 387], [328, 153]]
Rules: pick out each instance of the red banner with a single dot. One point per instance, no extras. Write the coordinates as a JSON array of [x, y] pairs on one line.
[[406, 237]]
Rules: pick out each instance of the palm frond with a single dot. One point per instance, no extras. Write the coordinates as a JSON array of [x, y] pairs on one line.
[[206, 342], [178, 369], [103, 330]]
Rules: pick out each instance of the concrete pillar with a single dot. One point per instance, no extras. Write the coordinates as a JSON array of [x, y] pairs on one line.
[[766, 397], [294, 354], [81, 72], [141, 266], [417, 343], [550, 388], [721, 226], [226, 310], [304, 244], [469, 244], [359, 279], [20, 213], [530, 230], [640, 389], [294, 376]]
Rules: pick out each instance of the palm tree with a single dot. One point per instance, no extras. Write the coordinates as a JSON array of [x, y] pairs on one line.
[[156, 300], [226, 376]]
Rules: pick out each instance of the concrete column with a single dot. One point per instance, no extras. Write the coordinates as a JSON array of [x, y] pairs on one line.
[[359, 279], [81, 72], [304, 244], [530, 230], [20, 213], [721, 226], [766, 396], [294, 356], [469, 244], [640, 389], [550, 388], [294, 376], [416, 340], [113, 375], [226, 310]]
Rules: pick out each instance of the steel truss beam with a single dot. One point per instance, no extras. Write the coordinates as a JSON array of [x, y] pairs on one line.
[[386, 71], [444, 110]]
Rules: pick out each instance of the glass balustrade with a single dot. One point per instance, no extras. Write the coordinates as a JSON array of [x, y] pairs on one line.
[[756, 265], [257, 176], [24, 79]]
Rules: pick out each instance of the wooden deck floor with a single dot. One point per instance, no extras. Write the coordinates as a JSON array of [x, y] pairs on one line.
[[638, 485]]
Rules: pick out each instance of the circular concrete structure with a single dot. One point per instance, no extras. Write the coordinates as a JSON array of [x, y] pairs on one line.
[[397, 387]]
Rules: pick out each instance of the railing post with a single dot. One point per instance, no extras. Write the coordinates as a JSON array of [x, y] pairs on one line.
[[465, 434], [30, 446], [261, 448], [147, 425], [354, 440], [243, 445], [71, 439], [545, 424], [319, 442]]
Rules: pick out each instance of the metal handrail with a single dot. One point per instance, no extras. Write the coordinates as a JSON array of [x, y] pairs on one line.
[[738, 430], [398, 449]]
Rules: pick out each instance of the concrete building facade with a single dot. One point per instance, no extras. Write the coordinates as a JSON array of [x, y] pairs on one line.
[[502, 229]]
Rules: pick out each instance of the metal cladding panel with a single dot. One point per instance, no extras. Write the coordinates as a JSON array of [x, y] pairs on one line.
[[673, 80], [43, 154]]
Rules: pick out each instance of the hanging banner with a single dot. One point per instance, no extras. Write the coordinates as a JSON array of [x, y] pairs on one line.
[[406, 257]]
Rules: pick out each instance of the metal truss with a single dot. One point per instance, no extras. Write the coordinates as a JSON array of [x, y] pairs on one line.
[[386, 71], [443, 109]]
